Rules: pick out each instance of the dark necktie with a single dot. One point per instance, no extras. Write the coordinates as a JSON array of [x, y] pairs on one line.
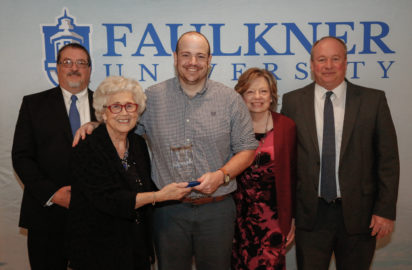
[[328, 172], [74, 115]]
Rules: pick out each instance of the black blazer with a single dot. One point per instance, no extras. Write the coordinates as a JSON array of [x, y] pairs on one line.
[[369, 161], [102, 228], [40, 154]]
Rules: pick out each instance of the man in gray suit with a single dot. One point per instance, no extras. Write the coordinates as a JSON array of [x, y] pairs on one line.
[[348, 164]]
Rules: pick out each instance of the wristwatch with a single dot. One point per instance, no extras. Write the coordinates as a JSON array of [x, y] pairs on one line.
[[226, 178]]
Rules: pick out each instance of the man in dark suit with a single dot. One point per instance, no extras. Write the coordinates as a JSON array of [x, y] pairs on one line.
[[41, 150], [348, 164]]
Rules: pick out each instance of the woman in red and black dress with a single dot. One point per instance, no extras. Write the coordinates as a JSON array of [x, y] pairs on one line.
[[264, 198]]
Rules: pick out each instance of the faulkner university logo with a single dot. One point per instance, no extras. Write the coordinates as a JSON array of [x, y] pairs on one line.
[[56, 36], [138, 50]]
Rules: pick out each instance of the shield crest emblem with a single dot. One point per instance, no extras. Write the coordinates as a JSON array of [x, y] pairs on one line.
[[56, 36]]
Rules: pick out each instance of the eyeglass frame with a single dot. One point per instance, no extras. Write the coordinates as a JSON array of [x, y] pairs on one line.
[[121, 107], [80, 63], [251, 93]]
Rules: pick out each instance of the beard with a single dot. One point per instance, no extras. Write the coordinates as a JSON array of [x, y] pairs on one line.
[[75, 84]]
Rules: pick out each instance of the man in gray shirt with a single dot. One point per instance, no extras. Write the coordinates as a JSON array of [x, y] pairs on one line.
[[197, 130], [201, 130]]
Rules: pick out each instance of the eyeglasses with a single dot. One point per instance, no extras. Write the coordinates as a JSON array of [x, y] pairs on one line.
[[68, 63], [251, 93], [117, 108]]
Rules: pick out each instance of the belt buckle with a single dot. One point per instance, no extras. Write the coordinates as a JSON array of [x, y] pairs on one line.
[[195, 200], [332, 202], [336, 201], [203, 200]]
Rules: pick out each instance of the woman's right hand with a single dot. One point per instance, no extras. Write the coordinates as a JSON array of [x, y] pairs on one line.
[[173, 191], [83, 130]]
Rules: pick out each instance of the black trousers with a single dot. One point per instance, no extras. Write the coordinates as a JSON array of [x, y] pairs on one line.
[[46, 250], [314, 248]]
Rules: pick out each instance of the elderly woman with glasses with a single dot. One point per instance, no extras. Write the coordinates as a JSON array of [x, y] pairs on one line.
[[112, 192]]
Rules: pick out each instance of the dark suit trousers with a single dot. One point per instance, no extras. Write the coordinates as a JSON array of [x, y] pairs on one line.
[[46, 250], [314, 248]]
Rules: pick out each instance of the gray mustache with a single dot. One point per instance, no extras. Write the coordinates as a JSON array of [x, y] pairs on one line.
[[74, 73]]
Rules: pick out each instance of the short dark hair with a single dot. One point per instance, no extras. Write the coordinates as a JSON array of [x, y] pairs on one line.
[[189, 33], [331, 37], [74, 46]]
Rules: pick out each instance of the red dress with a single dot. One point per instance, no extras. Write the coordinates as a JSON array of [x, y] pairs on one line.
[[258, 242]]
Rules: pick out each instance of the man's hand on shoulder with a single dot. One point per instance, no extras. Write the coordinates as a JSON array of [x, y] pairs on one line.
[[62, 196], [83, 131]]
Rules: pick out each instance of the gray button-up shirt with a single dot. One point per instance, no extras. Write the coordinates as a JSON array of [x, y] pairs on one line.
[[215, 122]]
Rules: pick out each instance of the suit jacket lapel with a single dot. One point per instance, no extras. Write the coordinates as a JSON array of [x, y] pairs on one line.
[[92, 115], [104, 142], [351, 111], [308, 105], [59, 108]]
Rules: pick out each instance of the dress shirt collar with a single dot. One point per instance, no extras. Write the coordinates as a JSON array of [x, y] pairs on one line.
[[80, 96], [201, 92], [338, 92]]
